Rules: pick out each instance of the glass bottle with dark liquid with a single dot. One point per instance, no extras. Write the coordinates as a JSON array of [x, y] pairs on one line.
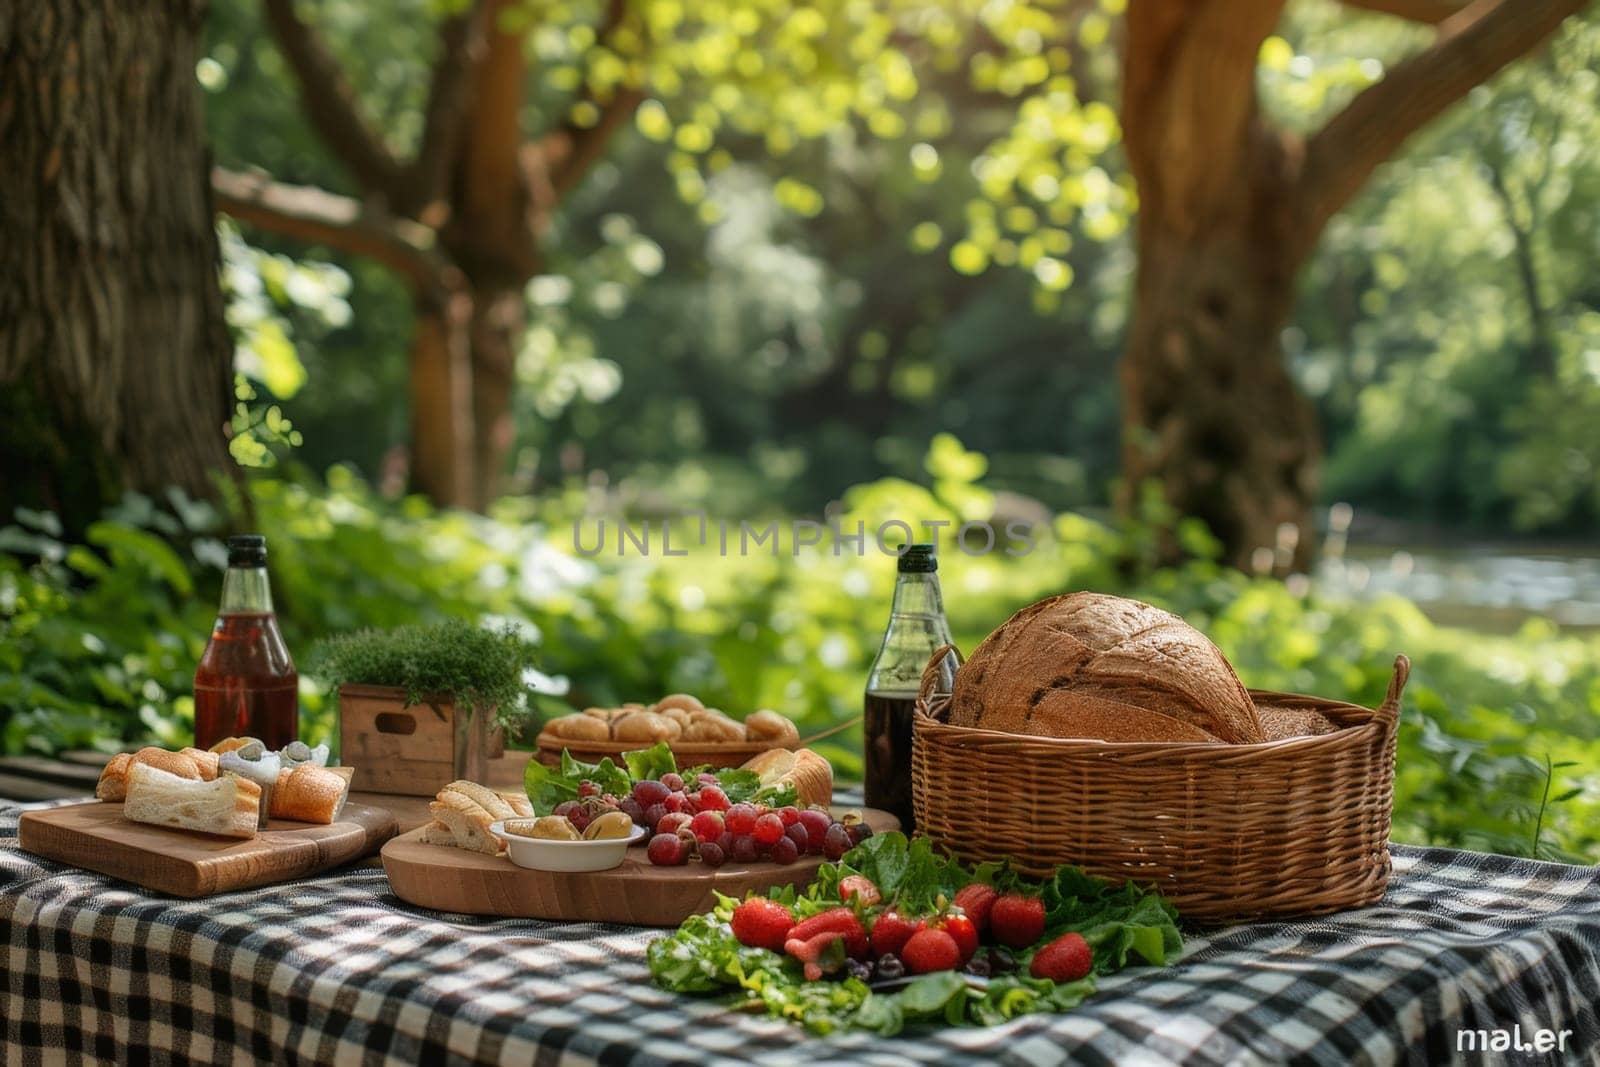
[[246, 684], [916, 630]]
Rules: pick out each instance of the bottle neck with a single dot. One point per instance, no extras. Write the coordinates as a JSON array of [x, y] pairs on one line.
[[246, 590], [918, 594]]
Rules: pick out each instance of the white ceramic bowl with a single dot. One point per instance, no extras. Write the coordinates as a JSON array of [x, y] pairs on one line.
[[542, 854]]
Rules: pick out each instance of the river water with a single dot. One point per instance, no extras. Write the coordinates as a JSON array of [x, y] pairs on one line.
[[1488, 587]]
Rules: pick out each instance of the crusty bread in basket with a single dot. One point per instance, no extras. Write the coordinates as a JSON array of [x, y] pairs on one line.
[[1292, 827], [1090, 665]]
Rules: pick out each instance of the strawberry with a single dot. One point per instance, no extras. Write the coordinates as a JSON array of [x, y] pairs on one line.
[[841, 921], [961, 931], [930, 950], [975, 900], [1016, 921], [1066, 959], [890, 932], [814, 953], [762, 923], [861, 888]]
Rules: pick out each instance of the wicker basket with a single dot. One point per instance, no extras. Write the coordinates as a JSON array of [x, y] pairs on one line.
[[1294, 827]]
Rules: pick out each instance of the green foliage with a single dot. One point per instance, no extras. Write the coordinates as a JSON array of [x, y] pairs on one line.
[[479, 667], [98, 640], [1447, 325], [1123, 924]]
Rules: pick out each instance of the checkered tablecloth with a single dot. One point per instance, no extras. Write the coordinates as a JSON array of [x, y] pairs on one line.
[[337, 970]]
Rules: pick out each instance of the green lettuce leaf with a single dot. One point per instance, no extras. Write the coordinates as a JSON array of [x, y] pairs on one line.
[[548, 786], [650, 762]]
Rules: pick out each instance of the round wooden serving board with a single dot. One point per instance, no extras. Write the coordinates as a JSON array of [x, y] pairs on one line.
[[638, 893]]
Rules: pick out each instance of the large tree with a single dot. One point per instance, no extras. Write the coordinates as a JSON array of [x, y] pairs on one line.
[[464, 211], [115, 362], [1230, 207]]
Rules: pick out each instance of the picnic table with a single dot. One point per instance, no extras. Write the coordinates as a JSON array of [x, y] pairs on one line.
[[335, 969]]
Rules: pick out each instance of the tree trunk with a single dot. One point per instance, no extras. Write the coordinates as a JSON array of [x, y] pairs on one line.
[[441, 397], [110, 312], [1209, 409], [498, 320]]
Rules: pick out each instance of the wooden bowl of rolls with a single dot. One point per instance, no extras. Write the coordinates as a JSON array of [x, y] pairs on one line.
[[695, 733]]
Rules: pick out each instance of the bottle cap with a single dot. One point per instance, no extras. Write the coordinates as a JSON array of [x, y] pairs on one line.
[[919, 559], [247, 550]]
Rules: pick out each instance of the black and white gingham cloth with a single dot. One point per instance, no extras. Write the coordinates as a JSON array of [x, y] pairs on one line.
[[337, 970]]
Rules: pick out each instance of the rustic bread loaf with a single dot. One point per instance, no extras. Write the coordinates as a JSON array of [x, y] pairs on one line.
[[1280, 723], [1095, 666]]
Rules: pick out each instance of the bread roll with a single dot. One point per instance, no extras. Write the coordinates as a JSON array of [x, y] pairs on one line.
[[645, 726], [1278, 724], [771, 727], [308, 793], [677, 715], [582, 727], [204, 762], [1087, 665], [113, 784], [811, 774], [686, 701], [713, 728], [232, 744], [227, 806], [603, 714]]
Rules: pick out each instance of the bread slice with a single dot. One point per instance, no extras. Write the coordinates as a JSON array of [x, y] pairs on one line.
[[521, 806], [227, 806], [486, 798], [467, 820], [437, 833], [309, 793]]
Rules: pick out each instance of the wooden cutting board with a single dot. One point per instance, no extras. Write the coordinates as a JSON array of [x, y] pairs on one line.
[[637, 893], [96, 837]]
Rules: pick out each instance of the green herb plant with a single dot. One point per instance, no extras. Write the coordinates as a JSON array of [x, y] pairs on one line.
[[479, 667]]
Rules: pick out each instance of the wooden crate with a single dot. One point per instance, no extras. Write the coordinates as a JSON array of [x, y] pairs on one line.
[[412, 750]]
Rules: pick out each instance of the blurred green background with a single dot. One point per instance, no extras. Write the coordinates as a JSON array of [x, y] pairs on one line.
[[784, 291]]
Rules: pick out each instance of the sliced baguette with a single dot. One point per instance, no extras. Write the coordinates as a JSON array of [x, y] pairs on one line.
[[226, 806], [468, 822]]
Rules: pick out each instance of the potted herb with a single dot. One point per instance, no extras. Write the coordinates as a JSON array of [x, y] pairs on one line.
[[422, 706]]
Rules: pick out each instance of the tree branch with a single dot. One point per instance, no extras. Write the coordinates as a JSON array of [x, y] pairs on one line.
[[1431, 12], [1472, 45], [315, 215], [569, 150], [330, 104], [461, 49]]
